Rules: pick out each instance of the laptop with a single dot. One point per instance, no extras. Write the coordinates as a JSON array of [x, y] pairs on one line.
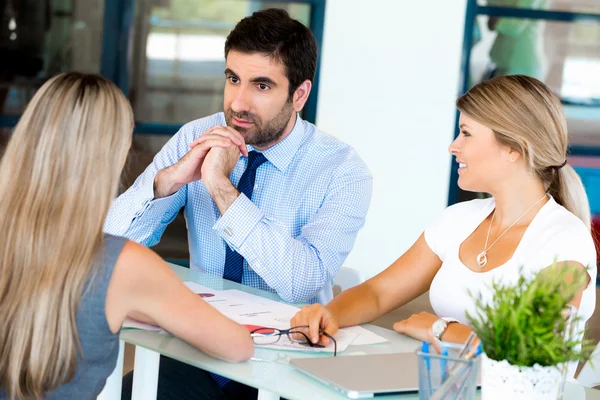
[[364, 376]]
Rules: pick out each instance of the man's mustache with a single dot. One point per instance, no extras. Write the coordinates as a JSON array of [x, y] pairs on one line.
[[246, 116]]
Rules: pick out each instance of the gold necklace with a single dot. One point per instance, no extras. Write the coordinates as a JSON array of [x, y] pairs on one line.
[[482, 257]]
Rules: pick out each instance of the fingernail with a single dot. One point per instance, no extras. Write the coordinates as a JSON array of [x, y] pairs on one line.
[[315, 339]]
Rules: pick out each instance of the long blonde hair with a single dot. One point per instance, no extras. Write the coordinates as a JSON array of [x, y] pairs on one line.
[[58, 177], [526, 116]]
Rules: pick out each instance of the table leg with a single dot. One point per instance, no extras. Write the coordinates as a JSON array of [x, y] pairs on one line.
[[112, 388], [266, 395], [145, 374]]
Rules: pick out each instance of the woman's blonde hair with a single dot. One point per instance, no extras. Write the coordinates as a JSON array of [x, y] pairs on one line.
[[526, 116], [58, 177]]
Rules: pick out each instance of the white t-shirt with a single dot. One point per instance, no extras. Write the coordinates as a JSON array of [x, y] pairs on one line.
[[554, 233]]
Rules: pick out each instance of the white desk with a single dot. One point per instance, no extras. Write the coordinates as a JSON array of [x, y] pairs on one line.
[[269, 371]]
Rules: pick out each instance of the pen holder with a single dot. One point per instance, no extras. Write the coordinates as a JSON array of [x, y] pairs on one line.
[[446, 376]]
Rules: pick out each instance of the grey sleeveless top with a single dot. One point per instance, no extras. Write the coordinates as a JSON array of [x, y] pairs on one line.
[[100, 346]]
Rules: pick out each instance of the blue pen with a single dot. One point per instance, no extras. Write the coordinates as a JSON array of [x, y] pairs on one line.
[[425, 349], [444, 365], [479, 350]]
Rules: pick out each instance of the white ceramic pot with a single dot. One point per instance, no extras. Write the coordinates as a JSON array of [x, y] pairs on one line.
[[501, 380]]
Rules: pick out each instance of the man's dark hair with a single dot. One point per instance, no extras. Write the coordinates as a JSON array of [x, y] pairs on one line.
[[274, 33]]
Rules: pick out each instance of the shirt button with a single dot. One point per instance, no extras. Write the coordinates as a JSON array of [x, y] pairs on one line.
[[228, 231], [255, 185]]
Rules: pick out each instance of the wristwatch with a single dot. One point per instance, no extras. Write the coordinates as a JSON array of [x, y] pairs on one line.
[[441, 325]]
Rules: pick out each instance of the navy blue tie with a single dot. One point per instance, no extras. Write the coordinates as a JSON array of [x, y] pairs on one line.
[[234, 262]]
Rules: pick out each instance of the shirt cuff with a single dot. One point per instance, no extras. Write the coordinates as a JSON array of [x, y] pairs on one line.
[[238, 221], [158, 207]]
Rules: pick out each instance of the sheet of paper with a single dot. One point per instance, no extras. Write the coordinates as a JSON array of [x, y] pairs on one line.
[[203, 291], [364, 336], [245, 308]]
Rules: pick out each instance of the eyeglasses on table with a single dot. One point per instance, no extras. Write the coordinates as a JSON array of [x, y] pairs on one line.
[[264, 336]]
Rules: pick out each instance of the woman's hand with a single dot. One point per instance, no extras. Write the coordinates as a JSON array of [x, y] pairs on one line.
[[417, 326], [316, 317]]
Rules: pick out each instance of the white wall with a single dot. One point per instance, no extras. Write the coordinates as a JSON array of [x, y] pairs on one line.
[[389, 79]]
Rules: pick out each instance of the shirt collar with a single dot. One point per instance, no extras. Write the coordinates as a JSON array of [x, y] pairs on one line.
[[283, 152]]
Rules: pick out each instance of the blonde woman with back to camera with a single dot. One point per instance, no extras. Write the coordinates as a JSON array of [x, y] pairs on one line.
[[512, 145], [65, 287]]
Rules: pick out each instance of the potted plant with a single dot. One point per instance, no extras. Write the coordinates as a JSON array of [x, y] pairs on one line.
[[526, 334]]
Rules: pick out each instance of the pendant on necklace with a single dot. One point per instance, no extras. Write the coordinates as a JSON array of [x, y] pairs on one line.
[[482, 259]]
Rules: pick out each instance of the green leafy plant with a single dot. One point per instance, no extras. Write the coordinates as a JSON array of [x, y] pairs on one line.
[[526, 323]]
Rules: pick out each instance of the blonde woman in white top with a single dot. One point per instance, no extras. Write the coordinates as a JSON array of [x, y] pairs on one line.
[[512, 144]]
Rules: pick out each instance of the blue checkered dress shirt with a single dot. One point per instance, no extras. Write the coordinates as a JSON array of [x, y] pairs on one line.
[[310, 200]]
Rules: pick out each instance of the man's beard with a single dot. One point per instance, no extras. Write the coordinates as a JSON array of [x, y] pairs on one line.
[[262, 133]]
